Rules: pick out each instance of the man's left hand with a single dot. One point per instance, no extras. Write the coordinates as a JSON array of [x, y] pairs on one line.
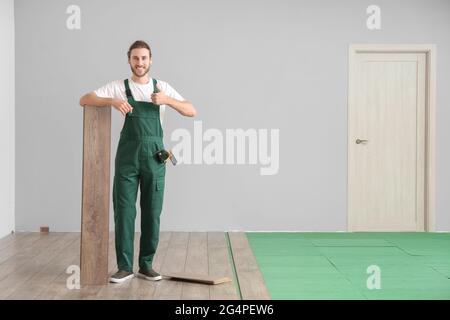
[[160, 97]]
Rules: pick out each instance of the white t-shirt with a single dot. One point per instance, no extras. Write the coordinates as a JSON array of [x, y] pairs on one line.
[[140, 92]]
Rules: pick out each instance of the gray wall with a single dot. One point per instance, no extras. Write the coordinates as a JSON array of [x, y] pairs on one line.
[[244, 64], [7, 97]]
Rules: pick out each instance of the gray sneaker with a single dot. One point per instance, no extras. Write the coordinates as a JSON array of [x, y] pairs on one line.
[[151, 275], [121, 276]]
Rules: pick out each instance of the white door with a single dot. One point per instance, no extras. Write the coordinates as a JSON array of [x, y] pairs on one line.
[[386, 142]]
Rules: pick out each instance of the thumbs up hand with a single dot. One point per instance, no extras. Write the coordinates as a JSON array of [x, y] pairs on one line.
[[159, 97]]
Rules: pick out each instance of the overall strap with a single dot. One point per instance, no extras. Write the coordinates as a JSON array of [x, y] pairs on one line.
[[127, 89]]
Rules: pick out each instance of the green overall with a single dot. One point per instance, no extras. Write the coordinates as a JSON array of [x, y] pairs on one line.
[[141, 137]]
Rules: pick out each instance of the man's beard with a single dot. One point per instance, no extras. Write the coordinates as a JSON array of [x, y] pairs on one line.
[[140, 75]]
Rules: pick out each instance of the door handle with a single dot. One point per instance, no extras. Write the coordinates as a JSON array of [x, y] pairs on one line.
[[358, 141]]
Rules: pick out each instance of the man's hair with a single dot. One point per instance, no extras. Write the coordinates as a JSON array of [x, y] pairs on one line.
[[139, 44]]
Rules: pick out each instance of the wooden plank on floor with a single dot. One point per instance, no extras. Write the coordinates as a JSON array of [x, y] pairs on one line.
[[219, 264], [7, 240], [45, 275], [20, 244], [49, 256], [250, 279], [22, 251], [56, 288], [34, 262], [59, 289], [196, 263], [175, 261], [95, 195]]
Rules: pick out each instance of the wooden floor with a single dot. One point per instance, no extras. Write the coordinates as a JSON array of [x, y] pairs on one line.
[[33, 266]]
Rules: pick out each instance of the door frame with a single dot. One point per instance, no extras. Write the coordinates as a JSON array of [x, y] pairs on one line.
[[430, 119]]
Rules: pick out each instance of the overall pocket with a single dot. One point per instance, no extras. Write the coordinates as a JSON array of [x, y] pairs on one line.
[[158, 195]]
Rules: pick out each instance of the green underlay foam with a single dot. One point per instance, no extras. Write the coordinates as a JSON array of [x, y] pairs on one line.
[[323, 265]]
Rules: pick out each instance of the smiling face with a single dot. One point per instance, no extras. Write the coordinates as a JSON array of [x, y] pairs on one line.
[[140, 61]]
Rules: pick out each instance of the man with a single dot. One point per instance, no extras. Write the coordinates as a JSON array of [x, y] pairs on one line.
[[142, 100]]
